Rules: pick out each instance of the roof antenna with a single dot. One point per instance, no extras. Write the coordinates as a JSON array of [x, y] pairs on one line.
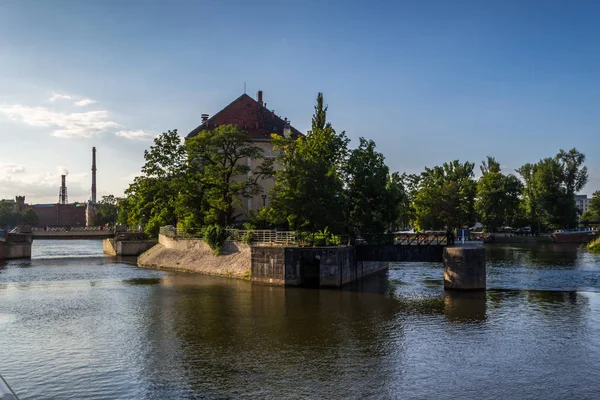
[[244, 87]]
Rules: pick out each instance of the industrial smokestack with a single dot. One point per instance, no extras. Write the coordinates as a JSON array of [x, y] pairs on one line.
[[62, 193], [93, 175]]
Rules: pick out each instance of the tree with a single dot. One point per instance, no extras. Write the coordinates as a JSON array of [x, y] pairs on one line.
[[106, 213], [9, 217], [368, 195], [30, 217], [593, 211], [309, 188], [397, 213], [498, 195], [152, 197], [446, 196], [550, 187], [530, 199], [219, 173]]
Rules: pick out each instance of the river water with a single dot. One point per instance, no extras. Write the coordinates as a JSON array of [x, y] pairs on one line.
[[77, 325]]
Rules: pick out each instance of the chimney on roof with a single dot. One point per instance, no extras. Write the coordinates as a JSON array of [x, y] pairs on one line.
[[287, 129], [204, 117], [260, 97]]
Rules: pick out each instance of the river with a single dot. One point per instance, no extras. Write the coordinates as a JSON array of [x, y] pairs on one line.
[[77, 325]]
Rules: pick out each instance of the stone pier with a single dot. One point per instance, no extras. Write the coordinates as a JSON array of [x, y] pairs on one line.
[[16, 245], [464, 268], [310, 266], [127, 244]]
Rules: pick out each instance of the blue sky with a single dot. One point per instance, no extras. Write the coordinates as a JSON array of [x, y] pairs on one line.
[[429, 81]]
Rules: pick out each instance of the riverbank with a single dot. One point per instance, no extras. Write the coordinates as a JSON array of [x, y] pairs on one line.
[[594, 246], [194, 255], [508, 239]]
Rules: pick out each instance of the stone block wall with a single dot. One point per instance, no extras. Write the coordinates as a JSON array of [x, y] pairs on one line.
[[268, 265], [319, 266]]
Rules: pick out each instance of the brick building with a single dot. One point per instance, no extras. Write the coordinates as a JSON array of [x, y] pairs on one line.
[[254, 117]]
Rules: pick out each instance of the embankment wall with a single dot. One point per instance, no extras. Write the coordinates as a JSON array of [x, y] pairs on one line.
[[194, 255]]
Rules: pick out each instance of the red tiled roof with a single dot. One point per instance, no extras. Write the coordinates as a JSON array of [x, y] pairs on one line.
[[248, 114]]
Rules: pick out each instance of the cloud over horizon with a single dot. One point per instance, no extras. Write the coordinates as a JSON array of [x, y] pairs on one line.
[[64, 125], [84, 102], [136, 135], [59, 96]]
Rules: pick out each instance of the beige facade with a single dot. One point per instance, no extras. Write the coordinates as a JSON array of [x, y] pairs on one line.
[[255, 203]]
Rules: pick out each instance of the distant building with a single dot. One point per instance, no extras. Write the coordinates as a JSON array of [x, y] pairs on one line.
[[254, 117], [60, 214], [53, 214], [582, 202]]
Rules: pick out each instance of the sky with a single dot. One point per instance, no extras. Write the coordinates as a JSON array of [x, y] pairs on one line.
[[428, 81]]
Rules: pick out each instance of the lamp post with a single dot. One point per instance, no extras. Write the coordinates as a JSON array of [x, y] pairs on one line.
[[264, 198]]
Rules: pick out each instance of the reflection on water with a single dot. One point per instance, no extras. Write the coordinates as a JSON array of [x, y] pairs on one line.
[[93, 328]]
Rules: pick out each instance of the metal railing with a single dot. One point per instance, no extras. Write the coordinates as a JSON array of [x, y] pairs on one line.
[[261, 236], [70, 229], [421, 238], [265, 236]]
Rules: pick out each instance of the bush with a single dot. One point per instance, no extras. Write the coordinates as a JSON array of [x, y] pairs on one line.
[[214, 236], [322, 238], [247, 237], [594, 246]]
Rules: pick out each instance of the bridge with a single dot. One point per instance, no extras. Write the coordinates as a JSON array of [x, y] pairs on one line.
[[70, 233]]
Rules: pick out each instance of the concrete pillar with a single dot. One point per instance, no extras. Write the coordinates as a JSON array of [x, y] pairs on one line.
[[464, 268]]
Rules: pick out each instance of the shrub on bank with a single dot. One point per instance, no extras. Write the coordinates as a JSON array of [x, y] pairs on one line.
[[594, 246], [215, 237]]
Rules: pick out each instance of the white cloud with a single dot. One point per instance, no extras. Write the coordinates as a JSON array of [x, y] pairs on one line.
[[11, 168], [84, 102], [59, 96], [136, 135], [71, 125]]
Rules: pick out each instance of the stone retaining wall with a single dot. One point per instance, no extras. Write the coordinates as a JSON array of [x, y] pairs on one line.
[[194, 255]]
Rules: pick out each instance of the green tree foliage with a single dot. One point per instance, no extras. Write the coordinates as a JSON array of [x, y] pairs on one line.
[[152, 197], [397, 212], [29, 217], [9, 217], [593, 212], [530, 207], [106, 212], [498, 195], [198, 183], [446, 196], [369, 199], [309, 189], [550, 187], [219, 174]]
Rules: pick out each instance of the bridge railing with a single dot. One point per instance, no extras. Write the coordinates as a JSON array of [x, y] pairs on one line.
[[266, 236], [70, 229], [421, 238]]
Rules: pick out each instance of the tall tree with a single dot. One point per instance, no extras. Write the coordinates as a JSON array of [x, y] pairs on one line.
[[106, 212], [309, 189], [498, 195], [550, 187], [153, 196], [530, 198], [220, 173], [593, 212], [446, 196], [370, 192], [30, 217]]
